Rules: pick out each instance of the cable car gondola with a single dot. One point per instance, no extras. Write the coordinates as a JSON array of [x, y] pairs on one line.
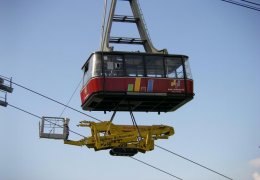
[[123, 81]]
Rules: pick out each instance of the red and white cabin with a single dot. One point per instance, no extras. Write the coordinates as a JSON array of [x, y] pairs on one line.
[[134, 81]]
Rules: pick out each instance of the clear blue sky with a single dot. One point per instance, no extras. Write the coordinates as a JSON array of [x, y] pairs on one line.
[[43, 45]]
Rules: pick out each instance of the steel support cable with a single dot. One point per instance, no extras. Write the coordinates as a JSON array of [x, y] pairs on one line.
[[241, 4], [156, 168], [51, 99], [250, 2], [34, 115], [70, 98], [193, 162], [110, 122], [3, 77], [135, 124], [101, 121]]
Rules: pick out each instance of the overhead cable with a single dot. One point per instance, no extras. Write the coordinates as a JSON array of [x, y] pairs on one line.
[[187, 159], [70, 98], [250, 2], [242, 5], [156, 168]]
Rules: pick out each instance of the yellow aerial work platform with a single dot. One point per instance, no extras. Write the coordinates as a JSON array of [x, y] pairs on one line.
[[122, 140]]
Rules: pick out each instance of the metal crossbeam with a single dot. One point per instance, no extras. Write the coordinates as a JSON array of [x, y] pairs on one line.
[[126, 40], [123, 18]]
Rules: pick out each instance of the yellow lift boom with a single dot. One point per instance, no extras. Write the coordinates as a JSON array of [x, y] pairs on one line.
[[122, 140]]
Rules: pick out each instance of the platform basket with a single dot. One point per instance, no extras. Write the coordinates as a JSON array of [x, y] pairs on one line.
[[54, 128]]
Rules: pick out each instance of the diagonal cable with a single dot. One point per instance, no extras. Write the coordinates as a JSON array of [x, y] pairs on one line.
[[250, 2], [156, 168], [241, 4], [187, 159], [71, 98]]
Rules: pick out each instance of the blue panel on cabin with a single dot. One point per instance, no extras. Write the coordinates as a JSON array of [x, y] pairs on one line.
[[150, 85]]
